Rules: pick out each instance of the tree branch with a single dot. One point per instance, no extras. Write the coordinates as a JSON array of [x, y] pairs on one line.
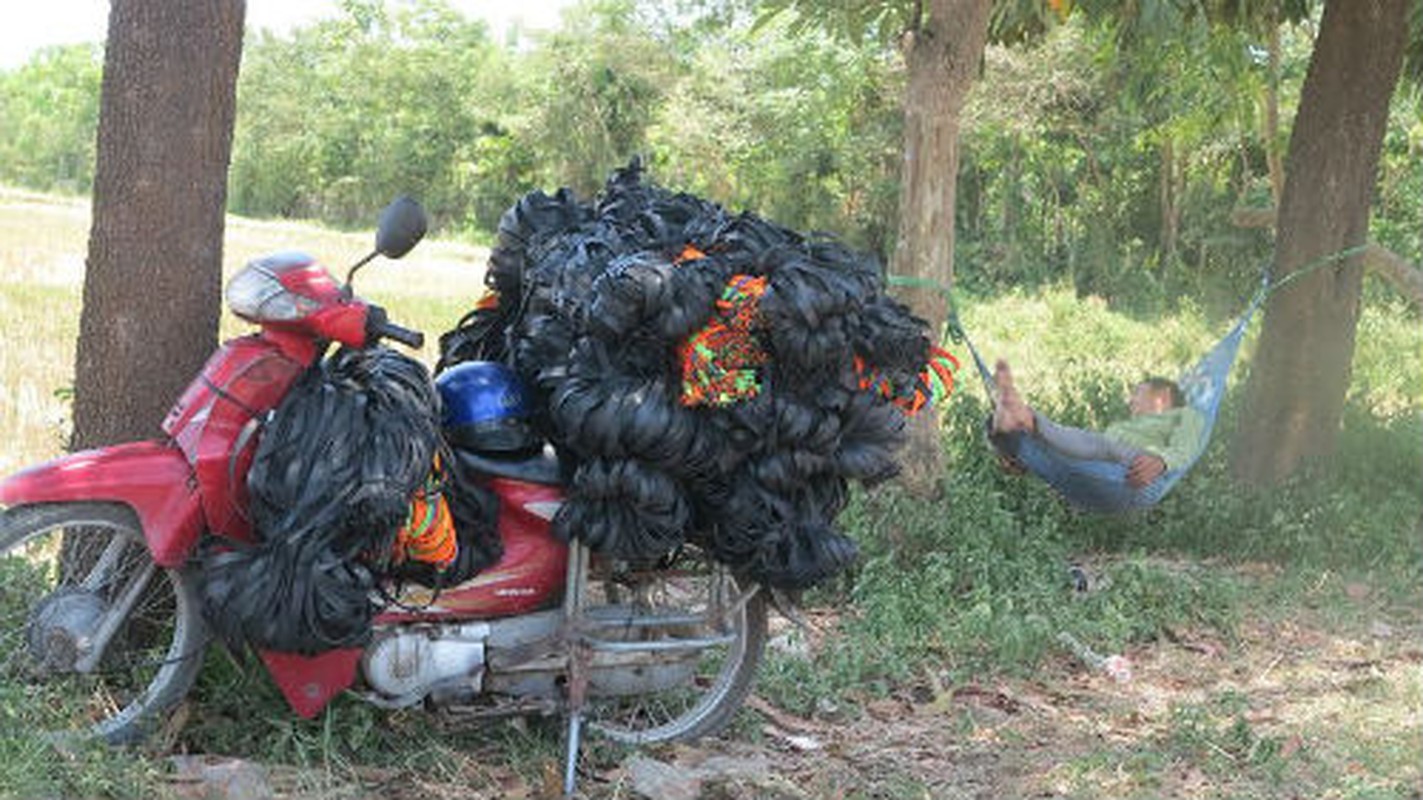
[[1406, 278]]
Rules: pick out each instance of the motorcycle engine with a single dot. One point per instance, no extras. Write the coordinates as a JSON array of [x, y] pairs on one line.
[[404, 664]]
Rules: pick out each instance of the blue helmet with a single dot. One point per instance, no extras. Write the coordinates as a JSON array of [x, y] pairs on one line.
[[486, 407]]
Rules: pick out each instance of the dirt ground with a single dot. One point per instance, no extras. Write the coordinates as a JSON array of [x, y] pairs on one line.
[[1286, 710]]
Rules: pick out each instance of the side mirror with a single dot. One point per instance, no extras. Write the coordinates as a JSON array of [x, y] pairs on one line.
[[402, 225]]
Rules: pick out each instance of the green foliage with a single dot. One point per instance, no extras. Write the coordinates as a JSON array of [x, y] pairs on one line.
[[50, 112], [347, 113], [1397, 221], [597, 86], [30, 768], [799, 129], [1218, 735], [1116, 167], [412, 97], [852, 21]]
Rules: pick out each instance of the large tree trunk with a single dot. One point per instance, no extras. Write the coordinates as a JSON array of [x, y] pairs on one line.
[[153, 280], [1295, 396], [943, 55]]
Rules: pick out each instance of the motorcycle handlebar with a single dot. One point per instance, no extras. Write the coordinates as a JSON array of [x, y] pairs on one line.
[[379, 326], [410, 338]]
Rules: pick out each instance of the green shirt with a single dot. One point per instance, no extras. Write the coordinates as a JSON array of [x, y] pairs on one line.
[[1174, 435]]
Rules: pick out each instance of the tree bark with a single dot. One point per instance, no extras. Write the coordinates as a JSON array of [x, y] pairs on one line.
[[153, 279], [1294, 398], [942, 55]]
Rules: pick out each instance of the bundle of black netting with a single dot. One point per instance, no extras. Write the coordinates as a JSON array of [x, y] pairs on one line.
[[709, 375], [331, 485]]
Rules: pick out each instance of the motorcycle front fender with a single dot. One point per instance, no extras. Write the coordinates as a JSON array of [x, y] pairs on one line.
[[152, 478]]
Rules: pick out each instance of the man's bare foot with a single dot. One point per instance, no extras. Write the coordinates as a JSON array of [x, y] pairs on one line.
[[1010, 413]]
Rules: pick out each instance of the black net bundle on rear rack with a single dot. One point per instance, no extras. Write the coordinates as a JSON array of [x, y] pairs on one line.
[[710, 374]]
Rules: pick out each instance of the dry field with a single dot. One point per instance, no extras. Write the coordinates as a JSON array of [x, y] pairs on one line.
[[43, 241]]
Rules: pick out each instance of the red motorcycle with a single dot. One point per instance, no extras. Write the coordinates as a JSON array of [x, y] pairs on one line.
[[101, 629]]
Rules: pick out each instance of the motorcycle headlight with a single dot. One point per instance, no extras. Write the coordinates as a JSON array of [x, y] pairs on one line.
[[255, 293]]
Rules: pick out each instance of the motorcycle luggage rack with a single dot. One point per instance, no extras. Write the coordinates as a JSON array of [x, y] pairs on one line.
[[662, 646], [579, 626]]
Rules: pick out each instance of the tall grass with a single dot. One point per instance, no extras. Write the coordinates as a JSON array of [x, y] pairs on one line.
[[41, 265]]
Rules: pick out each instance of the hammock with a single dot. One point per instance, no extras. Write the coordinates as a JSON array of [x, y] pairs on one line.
[[1101, 486]]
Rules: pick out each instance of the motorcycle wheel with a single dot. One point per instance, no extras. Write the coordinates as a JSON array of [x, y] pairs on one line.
[[693, 695], [64, 568]]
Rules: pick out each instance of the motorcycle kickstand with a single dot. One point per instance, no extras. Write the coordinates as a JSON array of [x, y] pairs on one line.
[[579, 658]]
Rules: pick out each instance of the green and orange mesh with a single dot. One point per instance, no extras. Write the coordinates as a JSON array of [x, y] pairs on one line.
[[429, 534], [720, 362], [936, 381]]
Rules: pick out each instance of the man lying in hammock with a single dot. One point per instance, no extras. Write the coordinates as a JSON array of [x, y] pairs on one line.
[[1161, 432]]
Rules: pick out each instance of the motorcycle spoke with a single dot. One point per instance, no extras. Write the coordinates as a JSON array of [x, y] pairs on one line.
[[117, 615], [100, 574], [93, 635]]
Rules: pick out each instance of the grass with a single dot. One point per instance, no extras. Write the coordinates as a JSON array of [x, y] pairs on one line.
[[977, 585], [30, 769], [1273, 636]]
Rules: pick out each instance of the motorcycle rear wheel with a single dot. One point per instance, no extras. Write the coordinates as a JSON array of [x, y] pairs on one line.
[[64, 568], [702, 692]]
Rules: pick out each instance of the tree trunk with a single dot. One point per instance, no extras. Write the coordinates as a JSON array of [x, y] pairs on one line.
[[1272, 114], [1295, 396], [1167, 190], [943, 55], [153, 280]]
